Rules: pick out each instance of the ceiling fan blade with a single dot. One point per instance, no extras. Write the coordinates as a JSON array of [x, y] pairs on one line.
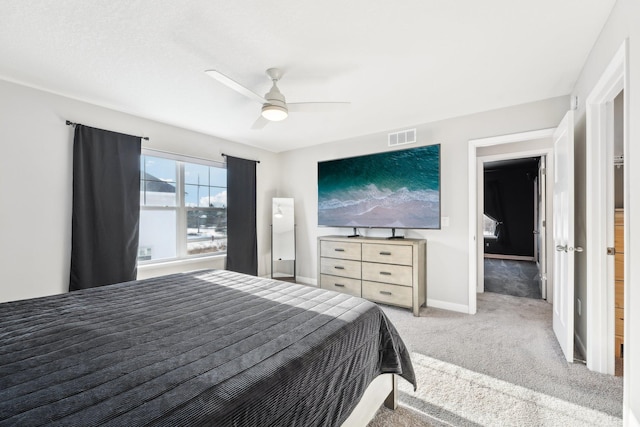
[[227, 81], [259, 123], [317, 107]]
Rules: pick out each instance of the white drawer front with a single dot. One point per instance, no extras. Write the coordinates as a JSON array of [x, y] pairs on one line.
[[343, 250], [341, 267], [390, 254], [388, 294], [341, 284], [387, 273]]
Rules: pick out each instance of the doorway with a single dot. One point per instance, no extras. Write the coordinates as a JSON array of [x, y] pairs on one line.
[[538, 143], [608, 187], [514, 223]]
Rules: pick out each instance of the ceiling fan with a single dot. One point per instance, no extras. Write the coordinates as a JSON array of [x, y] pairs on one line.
[[274, 106]]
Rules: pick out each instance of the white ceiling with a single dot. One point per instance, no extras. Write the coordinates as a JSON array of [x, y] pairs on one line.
[[399, 63]]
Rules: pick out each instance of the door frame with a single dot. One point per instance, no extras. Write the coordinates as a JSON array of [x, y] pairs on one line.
[[599, 170], [476, 192], [541, 221]]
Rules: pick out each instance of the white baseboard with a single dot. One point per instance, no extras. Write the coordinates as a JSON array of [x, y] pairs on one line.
[[632, 421], [307, 281], [299, 279], [461, 308]]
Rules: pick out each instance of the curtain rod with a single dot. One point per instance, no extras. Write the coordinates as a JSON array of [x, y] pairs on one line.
[[226, 155], [178, 156], [70, 123]]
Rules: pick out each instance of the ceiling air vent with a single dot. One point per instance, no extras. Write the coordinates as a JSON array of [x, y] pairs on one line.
[[403, 137]]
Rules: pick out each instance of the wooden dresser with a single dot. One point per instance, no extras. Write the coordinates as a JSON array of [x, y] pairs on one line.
[[386, 271]]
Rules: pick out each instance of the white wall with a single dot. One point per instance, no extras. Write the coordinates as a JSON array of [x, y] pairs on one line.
[[622, 24], [447, 249], [36, 174]]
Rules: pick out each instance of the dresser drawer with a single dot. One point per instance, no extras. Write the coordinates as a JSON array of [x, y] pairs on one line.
[[387, 273], [343, 250], [340, 267], [341, 284], [390, 254], [388, 294]]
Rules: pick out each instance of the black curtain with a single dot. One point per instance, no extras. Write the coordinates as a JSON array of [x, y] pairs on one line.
[[106, 207], [242, 242]]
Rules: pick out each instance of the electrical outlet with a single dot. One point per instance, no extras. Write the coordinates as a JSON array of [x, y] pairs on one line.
[[579, 307]]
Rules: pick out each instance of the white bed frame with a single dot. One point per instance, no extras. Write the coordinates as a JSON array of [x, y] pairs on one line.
[[382, 390]]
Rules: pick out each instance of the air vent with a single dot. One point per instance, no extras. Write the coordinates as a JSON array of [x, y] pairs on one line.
[[403, 137]]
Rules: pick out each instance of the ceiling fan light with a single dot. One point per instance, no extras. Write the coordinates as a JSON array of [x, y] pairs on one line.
[[274, 113]]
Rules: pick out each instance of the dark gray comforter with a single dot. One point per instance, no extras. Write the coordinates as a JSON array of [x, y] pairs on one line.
[[206, 348]]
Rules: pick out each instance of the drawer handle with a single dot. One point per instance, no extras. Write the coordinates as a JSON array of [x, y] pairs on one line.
[[385, 292], [339, 250], [385, 273], [339, 267], [338, 285], [385, 253]]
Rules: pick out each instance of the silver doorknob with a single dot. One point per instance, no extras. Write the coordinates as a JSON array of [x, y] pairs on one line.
[[577, 249], [561, 248]]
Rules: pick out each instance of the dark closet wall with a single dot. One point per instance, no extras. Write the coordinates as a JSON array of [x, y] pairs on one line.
[[509, 198]]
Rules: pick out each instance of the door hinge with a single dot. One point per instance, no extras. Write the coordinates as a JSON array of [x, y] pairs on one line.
[[543, 171], [611, 251]]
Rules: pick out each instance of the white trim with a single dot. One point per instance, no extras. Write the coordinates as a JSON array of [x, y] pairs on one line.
[[182, 157], [476, 177], [514, 137], [473, 228], [630, 420], [445, 305], [179, 262], [599, 213], [307, 281], [510, 257]]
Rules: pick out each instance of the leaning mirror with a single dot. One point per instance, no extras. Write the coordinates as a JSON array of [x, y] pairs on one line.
[[283, 239]]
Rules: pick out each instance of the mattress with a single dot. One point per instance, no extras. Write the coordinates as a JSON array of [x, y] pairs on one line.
[[204, 348]]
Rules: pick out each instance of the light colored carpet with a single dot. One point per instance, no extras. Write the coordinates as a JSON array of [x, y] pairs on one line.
[[501, 366]]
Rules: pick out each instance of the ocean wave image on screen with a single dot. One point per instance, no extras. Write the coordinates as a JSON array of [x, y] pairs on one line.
[[398, 189]]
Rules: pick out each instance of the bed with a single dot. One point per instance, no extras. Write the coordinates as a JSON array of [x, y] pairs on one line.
[[210, 347]]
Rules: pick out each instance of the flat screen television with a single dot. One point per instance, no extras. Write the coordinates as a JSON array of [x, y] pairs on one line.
[[393, 189]]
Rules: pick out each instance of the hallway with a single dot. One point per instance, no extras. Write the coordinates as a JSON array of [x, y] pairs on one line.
[[511, 277]]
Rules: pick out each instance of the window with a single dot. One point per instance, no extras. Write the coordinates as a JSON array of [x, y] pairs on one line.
[[183, 208], [490, 227]]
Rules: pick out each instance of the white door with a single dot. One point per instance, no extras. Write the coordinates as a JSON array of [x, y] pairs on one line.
[[541, 226], [563, 235]]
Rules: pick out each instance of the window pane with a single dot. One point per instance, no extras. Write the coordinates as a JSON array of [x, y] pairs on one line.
[[191, 196], [206, 231], [196, 174], [157, 235], [203, 205], [218, 176], [218, 197], [489, 226], [158, 193], [196, 195], [159, 169], [157, 181]]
